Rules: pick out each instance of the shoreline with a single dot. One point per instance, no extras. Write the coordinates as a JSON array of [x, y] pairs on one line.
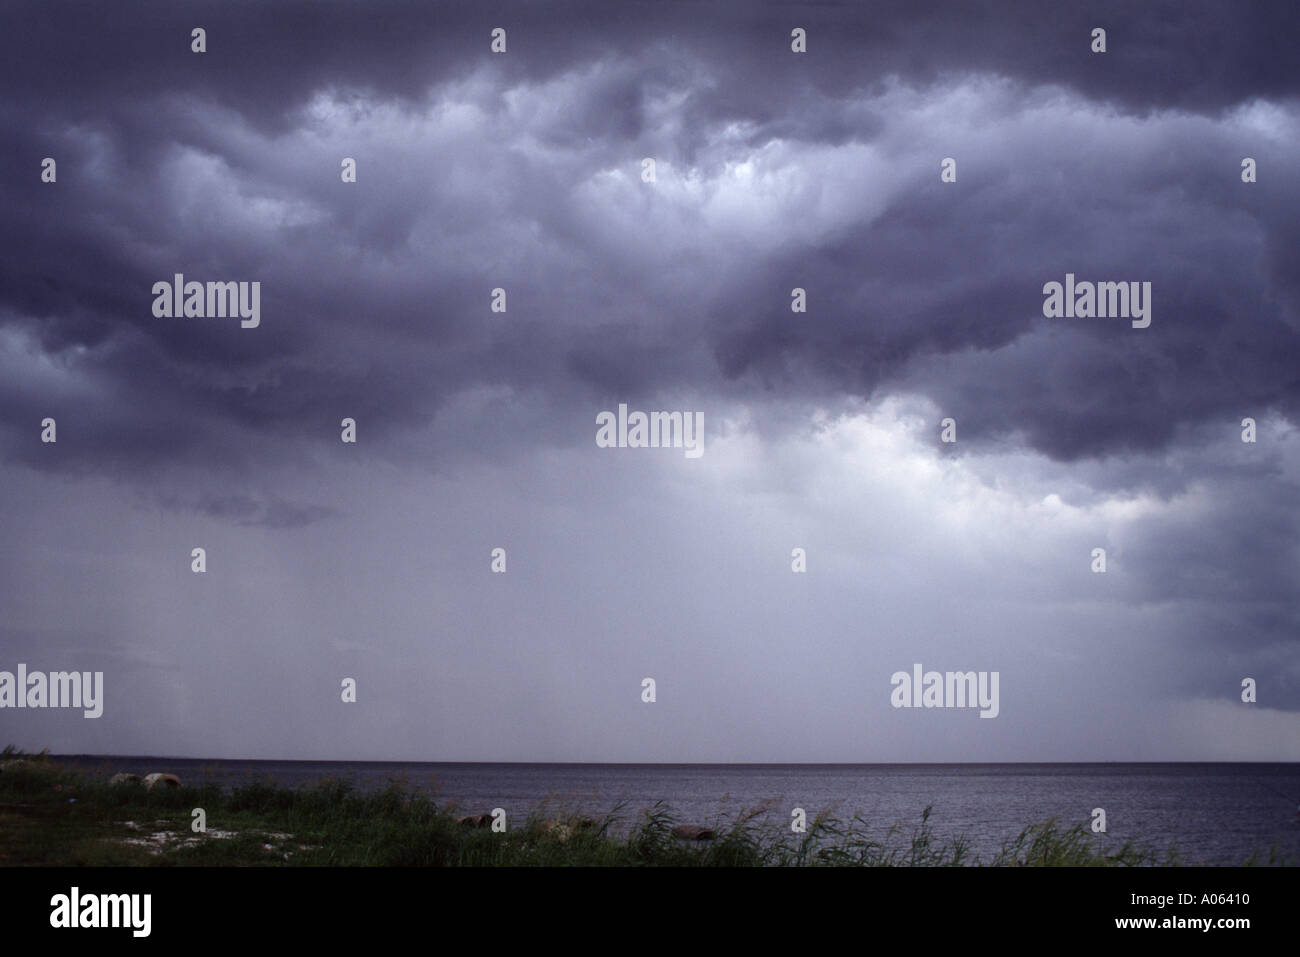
[[51, 815]]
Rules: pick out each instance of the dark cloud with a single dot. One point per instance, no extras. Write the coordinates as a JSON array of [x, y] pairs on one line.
[[933, 274], [775, 171]]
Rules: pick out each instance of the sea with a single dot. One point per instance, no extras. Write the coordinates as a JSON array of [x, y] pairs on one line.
[[1211, 814]]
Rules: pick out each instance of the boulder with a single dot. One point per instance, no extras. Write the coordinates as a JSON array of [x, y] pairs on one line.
[[123, 778], [693, 832], [156, 779]]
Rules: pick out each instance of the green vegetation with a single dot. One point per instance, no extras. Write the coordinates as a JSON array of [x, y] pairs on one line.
[[52, 816]]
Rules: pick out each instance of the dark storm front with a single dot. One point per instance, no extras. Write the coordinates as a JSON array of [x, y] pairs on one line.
[[1212, 813], [827, 227]]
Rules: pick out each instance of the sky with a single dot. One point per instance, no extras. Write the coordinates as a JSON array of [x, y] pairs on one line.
[[822, 430]]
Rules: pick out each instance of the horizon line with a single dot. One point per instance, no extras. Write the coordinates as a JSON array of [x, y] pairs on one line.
[[666, 764]]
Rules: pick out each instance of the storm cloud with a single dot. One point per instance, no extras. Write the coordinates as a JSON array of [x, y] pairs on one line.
[[774, 171]]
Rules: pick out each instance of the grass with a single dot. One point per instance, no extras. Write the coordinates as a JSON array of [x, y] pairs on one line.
[[50, 815]]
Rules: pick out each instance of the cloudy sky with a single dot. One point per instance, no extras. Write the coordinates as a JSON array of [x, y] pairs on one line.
[[476, 429]]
